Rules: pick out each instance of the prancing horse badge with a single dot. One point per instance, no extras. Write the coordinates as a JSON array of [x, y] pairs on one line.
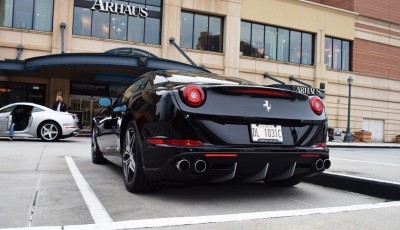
[[267, 106]]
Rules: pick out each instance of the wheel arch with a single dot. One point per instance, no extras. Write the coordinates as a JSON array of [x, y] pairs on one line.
[[44, 121]]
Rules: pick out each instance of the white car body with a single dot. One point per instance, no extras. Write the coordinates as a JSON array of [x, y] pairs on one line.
[[44, 123]]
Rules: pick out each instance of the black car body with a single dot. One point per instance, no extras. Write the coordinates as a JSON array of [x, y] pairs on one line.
[[181, 126]]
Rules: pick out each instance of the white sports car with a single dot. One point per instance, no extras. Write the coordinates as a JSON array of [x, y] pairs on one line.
[[33, 120]]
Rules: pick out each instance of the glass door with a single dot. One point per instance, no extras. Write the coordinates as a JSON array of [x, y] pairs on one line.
[[86, 108]]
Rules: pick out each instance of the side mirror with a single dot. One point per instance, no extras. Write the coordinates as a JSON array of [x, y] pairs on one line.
[[104, 102], [119, 109]]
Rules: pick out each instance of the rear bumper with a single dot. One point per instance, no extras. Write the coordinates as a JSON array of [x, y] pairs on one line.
[[69, 132], [233, 164]]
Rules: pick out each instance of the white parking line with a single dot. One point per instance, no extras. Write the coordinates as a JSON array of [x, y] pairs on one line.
[[96, 208], [368, 162], [364, 178], [180, 221]]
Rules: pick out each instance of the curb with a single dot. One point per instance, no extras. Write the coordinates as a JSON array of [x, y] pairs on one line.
[[376, 188]]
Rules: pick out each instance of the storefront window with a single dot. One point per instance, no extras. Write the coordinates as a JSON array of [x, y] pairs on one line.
[[27, 14], [257, 41], [100, 25], [337, 54], [346, 55], [118, 25], [186, 30], [84, 16], [245, 35], [201, 32], [6, 11], [270, 42], [152, 28], [215, 34], [283, 45], [12, 92], [328, 52], [275, 43], [295, 46], [43, 15], [136, 25], [131, 20], [306, 49], [23, 14]]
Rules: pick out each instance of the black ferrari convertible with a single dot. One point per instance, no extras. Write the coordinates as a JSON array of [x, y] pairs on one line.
[[200, 127]]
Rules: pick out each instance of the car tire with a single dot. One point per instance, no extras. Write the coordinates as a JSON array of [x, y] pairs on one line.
[[132, 165], [284, 183], [97, 155], [49, 131]]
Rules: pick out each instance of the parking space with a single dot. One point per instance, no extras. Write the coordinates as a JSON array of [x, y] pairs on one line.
[[38, 189]]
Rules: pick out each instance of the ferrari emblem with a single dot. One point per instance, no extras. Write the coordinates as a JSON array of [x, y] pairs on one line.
[[267, 106]]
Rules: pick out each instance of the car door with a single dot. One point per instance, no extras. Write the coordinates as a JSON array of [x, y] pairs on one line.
[[110, 125], [5, 120]]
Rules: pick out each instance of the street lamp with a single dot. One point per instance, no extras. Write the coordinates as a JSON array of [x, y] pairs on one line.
[[347, 137]]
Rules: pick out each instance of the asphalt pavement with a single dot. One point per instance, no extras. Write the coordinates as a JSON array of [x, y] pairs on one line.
[[38, 187], [367, 168]]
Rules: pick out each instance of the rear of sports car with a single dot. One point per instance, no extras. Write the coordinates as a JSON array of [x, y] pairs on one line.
[[224, 133]]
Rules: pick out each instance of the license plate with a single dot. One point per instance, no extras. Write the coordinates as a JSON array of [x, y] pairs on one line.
[[266, 133]]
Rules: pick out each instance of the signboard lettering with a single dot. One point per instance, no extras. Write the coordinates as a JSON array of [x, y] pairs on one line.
[[310, 91], [119, 8]]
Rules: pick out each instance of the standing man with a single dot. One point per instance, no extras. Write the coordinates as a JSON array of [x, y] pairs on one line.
[[59, 105]]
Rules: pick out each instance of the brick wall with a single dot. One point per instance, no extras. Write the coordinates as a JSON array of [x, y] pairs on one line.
[[376, 59], [342, 4]]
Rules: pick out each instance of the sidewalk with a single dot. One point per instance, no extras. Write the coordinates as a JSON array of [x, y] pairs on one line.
[[332, 144]]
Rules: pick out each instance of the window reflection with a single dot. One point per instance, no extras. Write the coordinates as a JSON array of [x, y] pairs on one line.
[[257, 41], [337, 54], [136, 29], [186, 30], [283, 45], [295, 50], [270, 42], [345, 55], [6, 9], [43, 15], [306, 49], [328, 52], [111, 25], [200, 31], [23, 14], [82, 21], [118, 25], [152, 31], [245, 32], [215, 34], [100, 24]]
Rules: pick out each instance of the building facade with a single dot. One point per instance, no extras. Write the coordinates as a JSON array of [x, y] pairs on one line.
[[318, 43]]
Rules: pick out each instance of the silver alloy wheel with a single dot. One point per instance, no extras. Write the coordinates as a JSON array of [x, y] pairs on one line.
[[49, 132], [128, 157]]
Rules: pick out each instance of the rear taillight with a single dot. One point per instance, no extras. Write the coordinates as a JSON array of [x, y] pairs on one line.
[[193, 95], [316, 105], [260, 92], [73, 116], [174, 142]]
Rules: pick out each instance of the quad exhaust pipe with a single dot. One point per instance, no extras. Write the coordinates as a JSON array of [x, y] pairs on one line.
[[200, 166], [184, 165], [322, 164]]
